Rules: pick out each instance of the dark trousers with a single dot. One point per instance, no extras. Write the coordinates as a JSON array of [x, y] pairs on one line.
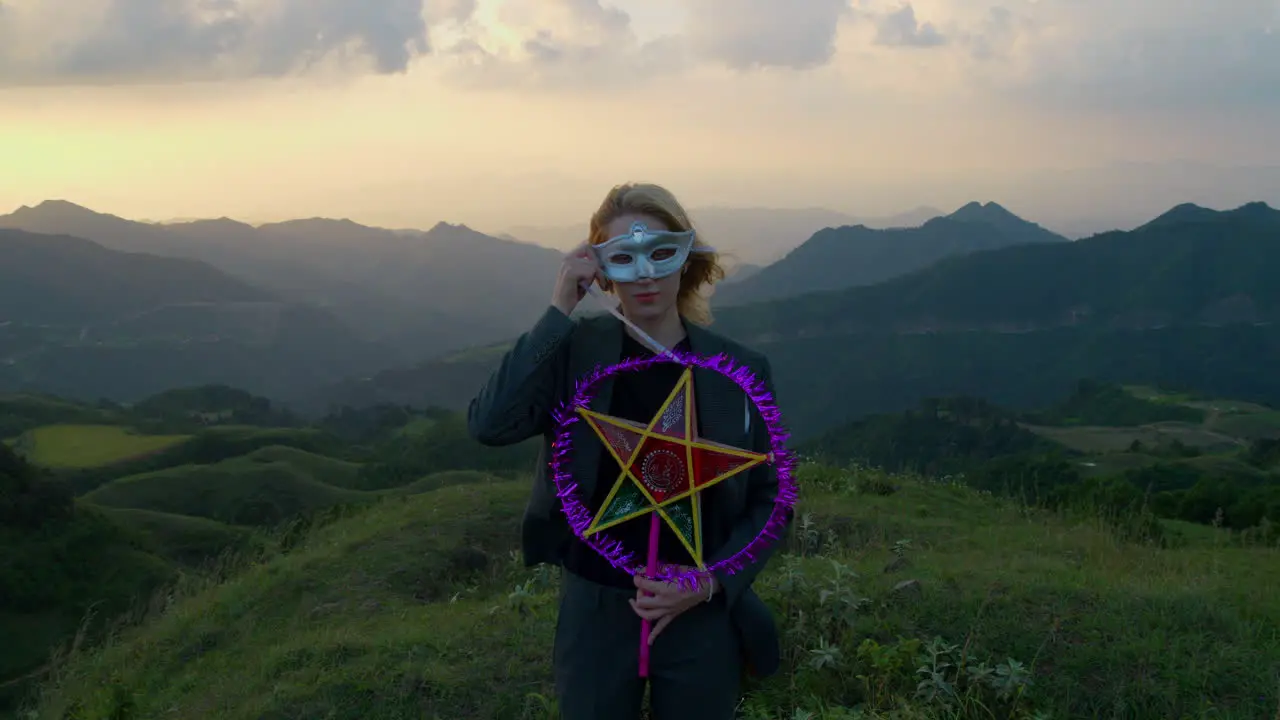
[[695, 665]]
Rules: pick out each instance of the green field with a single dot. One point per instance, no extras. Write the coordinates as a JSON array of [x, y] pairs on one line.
[[416, 608], [88, 446], [1118, 439], [1248, 425]]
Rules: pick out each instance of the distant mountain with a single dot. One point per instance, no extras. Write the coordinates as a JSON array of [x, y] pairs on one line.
[[84, 321], [1192, 214], [448, 382], [741, 272], [994, 215], [850, 256], [418, 293], [1189, 304], [48, 279], [751, 236], [1209, 268]]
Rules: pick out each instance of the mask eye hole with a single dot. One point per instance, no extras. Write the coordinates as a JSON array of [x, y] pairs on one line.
[[619, 259], [663, 254]]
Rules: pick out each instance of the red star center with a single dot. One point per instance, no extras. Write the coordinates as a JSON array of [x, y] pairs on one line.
[[665, 466]]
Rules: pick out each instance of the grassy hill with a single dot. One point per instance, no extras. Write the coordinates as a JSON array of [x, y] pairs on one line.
[[68, 569], [1176, 461], [237, 491], [89, 446], [184, 539], [415, 608], [384, 581], [66, 579], [328, 470], [157, 508]]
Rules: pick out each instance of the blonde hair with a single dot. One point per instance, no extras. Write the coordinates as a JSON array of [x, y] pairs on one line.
[[702, 269]]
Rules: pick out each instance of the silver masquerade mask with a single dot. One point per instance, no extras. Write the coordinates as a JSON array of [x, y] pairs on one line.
[[644, 253]]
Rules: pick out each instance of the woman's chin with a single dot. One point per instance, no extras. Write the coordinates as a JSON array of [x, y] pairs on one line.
[[647, 310]]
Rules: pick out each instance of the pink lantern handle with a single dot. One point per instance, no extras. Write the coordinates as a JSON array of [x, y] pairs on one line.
[[651, 569]]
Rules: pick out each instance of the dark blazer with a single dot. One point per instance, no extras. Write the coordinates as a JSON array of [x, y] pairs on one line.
[[540, 371]]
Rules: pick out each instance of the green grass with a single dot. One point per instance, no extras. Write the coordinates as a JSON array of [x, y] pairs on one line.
[[1113, 463], [89, 446], [435, 481], [1250, 426], [1093, 439], [330, 471], [184, 539], [240, 491], [1233, 418], [414, 608], [1225, 466], [52, 576], [261, 488], [418, 427]]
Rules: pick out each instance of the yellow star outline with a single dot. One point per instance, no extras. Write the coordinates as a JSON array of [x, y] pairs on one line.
[[683, 386]]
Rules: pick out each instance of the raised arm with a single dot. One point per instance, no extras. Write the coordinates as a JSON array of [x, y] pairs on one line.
[[516, 403]]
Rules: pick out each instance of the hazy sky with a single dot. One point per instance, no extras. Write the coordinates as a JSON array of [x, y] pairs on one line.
[[506, 112]]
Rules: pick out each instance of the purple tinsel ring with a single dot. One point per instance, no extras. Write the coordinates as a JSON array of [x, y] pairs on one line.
[[580, 517]]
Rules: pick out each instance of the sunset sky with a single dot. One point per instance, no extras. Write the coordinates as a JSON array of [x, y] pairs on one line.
[[506, 112]]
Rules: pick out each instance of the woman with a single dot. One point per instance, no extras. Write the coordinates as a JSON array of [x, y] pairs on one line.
[[701, 639]]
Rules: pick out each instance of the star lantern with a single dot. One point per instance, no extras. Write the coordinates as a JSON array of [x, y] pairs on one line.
[[665, 467]]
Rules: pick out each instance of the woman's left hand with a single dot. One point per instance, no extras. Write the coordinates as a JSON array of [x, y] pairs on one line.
[[667, 602]]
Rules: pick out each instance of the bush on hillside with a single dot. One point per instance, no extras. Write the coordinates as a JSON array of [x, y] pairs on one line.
[[1264, 453], [30, 499], [1099, 403], [942, 436], [375, 423], [190, 409], [20, 413]]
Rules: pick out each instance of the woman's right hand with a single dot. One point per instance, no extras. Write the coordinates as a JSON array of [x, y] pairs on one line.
[[578, 270]]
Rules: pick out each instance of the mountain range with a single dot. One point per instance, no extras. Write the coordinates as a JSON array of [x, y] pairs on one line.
[[416, 293], [1187, 300], [748, 236], [853, 255], [81, 320], [324, 313], [1190, 265]]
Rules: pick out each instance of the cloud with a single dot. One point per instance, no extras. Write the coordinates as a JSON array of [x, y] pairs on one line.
[[1064, 55], [575, 45], [50, 41], [745, 34], [1152, 54], [899, 28]]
